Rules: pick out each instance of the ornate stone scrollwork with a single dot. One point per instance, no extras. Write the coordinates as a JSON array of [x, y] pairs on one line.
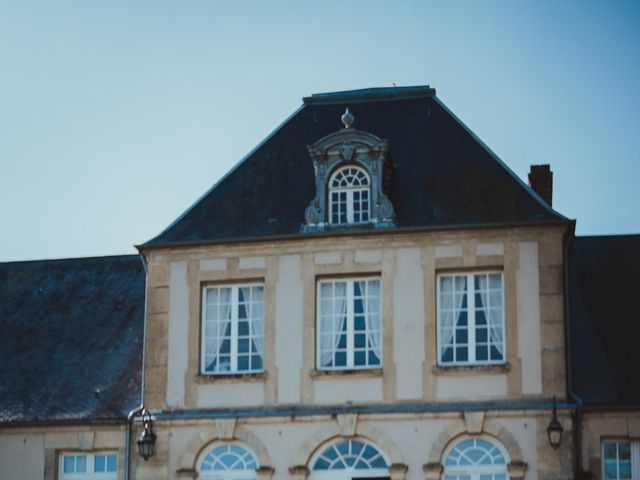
[[348, 147]]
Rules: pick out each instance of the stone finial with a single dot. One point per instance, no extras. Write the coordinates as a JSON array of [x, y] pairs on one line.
[[347, 118]]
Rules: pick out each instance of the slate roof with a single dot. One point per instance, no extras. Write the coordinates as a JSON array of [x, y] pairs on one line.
[[71, 341], [442, 174], [604, 323]]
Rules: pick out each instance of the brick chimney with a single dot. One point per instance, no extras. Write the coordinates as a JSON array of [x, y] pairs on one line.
[[541, 180]]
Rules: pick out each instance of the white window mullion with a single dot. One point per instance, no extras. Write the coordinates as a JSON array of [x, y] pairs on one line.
[[235, 300], [350, 326], [471, 318], [635, 460]]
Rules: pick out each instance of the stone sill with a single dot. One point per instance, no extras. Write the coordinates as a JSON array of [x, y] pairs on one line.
[[467, 370], [201, 378], [354, 373]]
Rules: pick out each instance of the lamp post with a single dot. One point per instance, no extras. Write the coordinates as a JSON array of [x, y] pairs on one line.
[[147, 439], [554, 429]]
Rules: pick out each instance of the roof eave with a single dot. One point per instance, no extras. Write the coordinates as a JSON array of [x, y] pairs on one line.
[[370, 232]]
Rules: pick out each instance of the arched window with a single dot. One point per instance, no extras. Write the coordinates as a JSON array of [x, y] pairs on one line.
[[349, 196], [353, 458], [475, 459], [230, 461]]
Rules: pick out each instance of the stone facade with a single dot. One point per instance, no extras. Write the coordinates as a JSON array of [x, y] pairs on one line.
[[420, 409]]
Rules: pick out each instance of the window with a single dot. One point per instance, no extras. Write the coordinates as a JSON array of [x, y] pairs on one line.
[[230, 461], [346, 459], [621, 460], [349, 326], [470, 319], [349, 196], [475, 459], [232, 329], [83, 466]]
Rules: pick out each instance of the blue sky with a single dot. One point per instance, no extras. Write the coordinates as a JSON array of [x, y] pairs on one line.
[[116, 116]]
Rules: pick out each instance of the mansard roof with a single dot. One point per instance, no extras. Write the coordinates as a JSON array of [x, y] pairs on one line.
[[72, 332], [443, 175], [604, 325]]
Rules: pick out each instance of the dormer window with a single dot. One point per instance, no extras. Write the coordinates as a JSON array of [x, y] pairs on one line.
[[349, 166], [349, 196]]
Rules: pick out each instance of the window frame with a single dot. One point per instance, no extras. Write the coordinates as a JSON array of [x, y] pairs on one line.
[[348, 472], [349, 323], [634, 456], [475, 471], [471, 320], [90, 472], [227, 474], [349, 191], [234, 340]]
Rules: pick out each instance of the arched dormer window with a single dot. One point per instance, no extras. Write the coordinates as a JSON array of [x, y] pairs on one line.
[[349, 167], [476, 459], [346, 459], [349, 196], [230, 461]]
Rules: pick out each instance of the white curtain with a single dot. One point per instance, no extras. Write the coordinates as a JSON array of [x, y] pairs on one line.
[[373, 314], [493, 314], [452, 294], [220, 313], [256, 322], [331, 325]]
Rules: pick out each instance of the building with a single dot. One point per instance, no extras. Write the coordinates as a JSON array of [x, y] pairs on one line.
[[70, 364], [370, 293]]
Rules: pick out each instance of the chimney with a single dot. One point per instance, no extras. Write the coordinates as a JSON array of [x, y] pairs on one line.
[[541, 180]]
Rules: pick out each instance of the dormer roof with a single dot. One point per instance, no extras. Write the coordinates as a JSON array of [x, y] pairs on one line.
[[443, 175]]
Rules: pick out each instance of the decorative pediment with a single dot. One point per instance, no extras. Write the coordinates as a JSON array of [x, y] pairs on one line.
[[349, 147]]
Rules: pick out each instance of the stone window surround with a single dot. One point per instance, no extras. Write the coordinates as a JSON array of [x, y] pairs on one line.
[[343, 148]]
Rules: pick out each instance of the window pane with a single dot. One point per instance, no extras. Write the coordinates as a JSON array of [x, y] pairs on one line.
[[69, 464], [81, 464], [624, 450], [112, 463], [100, 463]]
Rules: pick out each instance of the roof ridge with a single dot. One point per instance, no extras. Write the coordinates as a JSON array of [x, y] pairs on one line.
[[373, 93]]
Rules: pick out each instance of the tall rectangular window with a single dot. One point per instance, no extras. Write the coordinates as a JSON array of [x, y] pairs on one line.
[[471, 319], [349, 327], [620, 460], [232, 329], [86, 466]]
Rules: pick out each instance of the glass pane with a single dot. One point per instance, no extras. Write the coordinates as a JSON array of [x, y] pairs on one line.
[[610, 470], [624, 470], [69, 464], [100, 463], [81, 464], [624, 450], [461, 354], [112, 463]]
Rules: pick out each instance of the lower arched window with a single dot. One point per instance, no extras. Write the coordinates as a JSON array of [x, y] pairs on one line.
[[476, 459], [349, 458], [230, 461]]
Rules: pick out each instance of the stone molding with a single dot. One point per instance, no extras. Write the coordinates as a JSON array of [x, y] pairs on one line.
[[347, 423], [299, 472], [186, 473], [469, 425], [343, 148], [432, 471], [398, 471], [207, 438], [331, 432]]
